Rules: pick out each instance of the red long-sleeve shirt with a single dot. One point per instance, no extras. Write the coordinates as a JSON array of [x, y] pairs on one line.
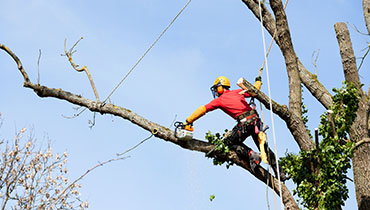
[[231, 102]]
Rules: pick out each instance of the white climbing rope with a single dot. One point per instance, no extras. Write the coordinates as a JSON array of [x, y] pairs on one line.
[[270, 102]]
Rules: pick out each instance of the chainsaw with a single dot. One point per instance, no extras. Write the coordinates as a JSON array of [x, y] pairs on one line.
[[183, 132]]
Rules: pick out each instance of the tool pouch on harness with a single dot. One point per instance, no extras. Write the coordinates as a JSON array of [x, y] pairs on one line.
[[248, 118], [246, 123]]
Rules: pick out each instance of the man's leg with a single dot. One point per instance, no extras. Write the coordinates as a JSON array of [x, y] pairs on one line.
[[236, 138], [271, 158]]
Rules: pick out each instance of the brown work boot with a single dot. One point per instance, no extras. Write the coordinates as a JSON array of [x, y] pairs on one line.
[[246, 152]]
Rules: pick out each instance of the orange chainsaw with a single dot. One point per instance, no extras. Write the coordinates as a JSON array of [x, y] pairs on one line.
[[183, 132]]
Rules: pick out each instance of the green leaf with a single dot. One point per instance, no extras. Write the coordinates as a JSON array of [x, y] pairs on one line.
[[212, 197]]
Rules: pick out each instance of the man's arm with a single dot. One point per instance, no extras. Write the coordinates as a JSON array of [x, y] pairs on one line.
[[196, 114]]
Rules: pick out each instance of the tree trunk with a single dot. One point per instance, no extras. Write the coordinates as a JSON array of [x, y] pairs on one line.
[[359, 129]]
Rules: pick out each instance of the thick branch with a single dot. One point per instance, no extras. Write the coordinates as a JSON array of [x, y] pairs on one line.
[[291, 61], [347, 54], [311, 82], [158, 130], [17, 61], [293, 122], [366, 9], [268, 19]]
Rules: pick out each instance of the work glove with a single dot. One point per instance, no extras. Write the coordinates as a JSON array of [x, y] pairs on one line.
[[188, 126], [196, 114]]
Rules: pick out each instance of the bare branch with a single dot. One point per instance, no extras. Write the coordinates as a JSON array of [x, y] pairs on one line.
[[366, 140], [347, 54], [82, 176], [366, 10], [356, 29], [17, 61], [268, 19], [311, 82], [38, 68], [291, 60], [363, 57], [314, 61], [76, 67]]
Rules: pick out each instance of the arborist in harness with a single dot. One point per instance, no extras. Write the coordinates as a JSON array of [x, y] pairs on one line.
[[233, 103]]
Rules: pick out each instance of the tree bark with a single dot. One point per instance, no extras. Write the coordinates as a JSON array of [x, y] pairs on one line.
[[157, 130], [291, 60], [366, 9], [359, 128]]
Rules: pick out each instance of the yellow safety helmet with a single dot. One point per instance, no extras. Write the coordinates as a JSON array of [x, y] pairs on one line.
[[222, 81], [218, 86]]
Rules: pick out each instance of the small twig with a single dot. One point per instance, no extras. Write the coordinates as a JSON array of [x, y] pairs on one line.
[[75, 115], [154, 132], [38, 68], [314, 61], [173, 121], [367, 140], [355, 28], [363, 57], [349, 178], [83, 175], [134, 147], [92, 122], [76, 67], [71, 50]]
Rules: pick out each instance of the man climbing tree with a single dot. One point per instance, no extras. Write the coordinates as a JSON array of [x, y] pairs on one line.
[[233, 103]]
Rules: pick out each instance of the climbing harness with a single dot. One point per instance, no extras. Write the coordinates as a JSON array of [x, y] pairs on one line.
[[146, 52]]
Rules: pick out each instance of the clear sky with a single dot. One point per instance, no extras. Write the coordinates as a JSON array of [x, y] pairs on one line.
[[211, 38]]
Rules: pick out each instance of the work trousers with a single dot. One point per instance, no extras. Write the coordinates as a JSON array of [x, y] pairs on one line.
[[241, 131]]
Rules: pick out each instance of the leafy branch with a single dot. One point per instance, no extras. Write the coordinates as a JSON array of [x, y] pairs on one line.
[[221, 148], [320, 173]]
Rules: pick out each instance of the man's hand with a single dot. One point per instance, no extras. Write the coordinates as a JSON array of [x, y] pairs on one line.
[[188, 126]]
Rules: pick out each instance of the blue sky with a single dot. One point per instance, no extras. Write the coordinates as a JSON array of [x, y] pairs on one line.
[[210, 38]]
